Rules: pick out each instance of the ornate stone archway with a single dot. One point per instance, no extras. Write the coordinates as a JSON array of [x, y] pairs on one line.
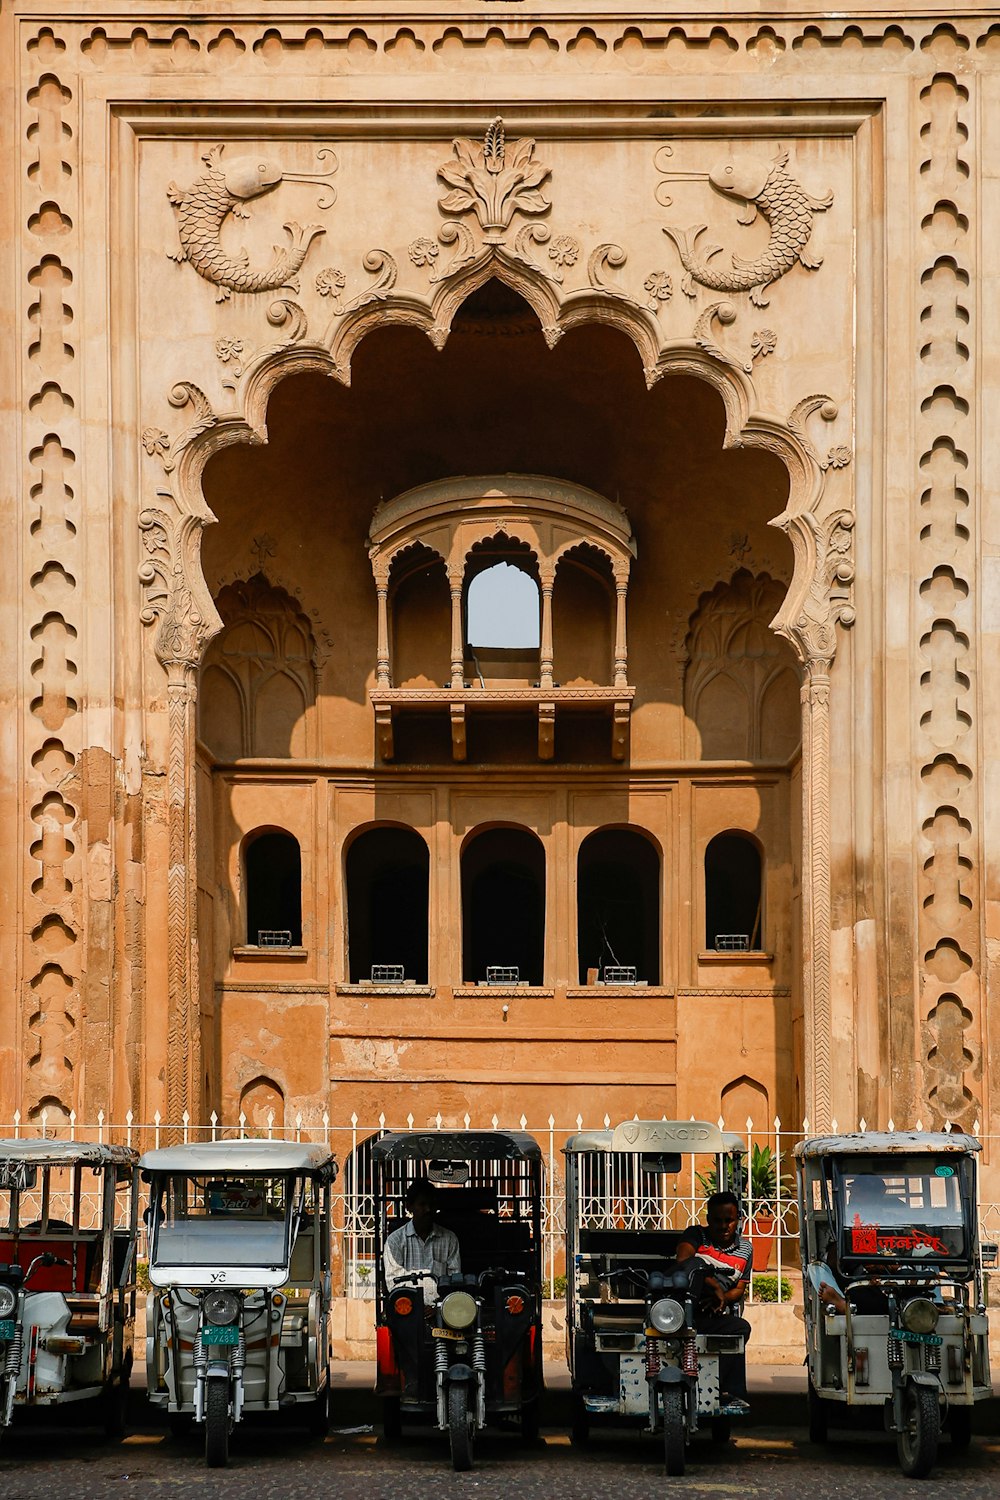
[[818, 517]]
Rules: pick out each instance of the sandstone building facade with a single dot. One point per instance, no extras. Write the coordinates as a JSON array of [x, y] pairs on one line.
[[673, 329]]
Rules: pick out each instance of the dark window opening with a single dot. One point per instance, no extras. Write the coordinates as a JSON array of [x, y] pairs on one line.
[[273, 870], [388, 874], [618, 906], [733, 894], [503, 905]]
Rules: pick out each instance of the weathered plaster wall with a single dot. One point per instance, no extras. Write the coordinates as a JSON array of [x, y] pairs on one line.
[[123, 373]]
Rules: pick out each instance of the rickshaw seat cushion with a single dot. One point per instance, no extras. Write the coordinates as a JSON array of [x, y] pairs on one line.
[[54, 1278]]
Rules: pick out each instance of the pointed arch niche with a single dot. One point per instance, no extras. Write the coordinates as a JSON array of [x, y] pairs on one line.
[[543, 528], [582, 386]]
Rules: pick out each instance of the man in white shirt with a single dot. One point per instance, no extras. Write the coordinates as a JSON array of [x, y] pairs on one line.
[[421, 1245]]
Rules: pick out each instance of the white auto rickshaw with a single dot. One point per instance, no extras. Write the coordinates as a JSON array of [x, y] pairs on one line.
[[67, 1277], [239, 1262], [895, 1315]]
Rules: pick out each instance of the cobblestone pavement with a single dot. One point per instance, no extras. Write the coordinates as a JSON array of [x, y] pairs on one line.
[[771, 1462]]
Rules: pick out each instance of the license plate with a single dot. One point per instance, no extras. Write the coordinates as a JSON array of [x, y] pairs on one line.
[[7, 1328], [445, 1333], [228, 1335], [918, 1338]]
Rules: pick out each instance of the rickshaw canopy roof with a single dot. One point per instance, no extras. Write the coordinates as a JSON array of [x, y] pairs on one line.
[[689, 1137], [46, 1153], [888, 1143], [456, 1145], [244, 1156]]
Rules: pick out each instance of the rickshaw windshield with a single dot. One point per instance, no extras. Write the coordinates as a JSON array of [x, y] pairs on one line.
[[223, 1220], [902, 1209]]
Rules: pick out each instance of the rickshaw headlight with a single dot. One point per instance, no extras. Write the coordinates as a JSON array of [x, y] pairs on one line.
[[666, 1316], [8, 1301], [221, 1308], [458, 1310], [920, 1315]]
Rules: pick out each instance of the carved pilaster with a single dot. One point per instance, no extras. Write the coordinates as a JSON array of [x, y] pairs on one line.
[[172, 582], [824, 559]]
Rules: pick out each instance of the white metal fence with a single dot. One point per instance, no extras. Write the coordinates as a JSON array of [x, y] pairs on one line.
[[770, 1210]]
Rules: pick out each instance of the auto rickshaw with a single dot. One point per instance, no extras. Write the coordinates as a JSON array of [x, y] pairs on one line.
[[239, 1262], [67, 1277], [465, 1351], [634, 1352], [892, 1276]]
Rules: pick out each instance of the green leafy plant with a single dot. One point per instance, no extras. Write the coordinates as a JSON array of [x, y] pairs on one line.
[[766, 1177], [558, 1287], [765, 1289]]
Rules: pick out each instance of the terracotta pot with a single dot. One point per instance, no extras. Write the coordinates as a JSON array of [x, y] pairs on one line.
[[762, 1239]]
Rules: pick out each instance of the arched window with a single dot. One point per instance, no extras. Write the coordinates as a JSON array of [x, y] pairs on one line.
[[734, 890], [502, 608], [387, 871], [503, 905], [618, 906], [272, 870]]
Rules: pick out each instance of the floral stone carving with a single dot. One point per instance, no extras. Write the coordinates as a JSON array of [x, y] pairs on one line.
[[494, 180], [782, 201], [203, 207]]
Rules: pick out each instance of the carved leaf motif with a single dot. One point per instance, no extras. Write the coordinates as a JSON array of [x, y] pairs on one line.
[[457, 202]]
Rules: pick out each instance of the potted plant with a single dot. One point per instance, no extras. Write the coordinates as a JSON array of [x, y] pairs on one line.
[[766, 1177]]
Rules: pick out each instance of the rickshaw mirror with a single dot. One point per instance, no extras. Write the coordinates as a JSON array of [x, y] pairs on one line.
[[660, 1161], [18, 1176], [448, 1171], [989, 1254]]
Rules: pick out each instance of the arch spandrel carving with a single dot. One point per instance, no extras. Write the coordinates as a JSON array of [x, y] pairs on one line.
[[817, 600]]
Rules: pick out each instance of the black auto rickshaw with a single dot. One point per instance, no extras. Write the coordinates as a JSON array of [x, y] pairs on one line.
[[635, 1353], [465, 1350]]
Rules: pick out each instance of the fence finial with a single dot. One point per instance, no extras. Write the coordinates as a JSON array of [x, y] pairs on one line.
[[919, 1125], [496, 1122], [243, 1124], [834, 1127], [862, 1124], [409, 1122], [890, 1123], [468, 1119]]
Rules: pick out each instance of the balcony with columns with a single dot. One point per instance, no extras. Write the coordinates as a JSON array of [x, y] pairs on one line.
[[427, 549]]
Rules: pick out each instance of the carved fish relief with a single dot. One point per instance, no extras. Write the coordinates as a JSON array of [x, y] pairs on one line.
[[779, 199], [223, 190]]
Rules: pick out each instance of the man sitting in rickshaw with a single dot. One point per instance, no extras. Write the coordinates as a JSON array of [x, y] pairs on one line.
[[724, 1258], [421, 1244]]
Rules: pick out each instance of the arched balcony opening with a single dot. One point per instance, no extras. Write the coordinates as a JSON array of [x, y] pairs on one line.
[[418, 612], [618, 908], [503, 907], [502, 612], [272, 881], [387, 874], [734, 894], [583, 619]]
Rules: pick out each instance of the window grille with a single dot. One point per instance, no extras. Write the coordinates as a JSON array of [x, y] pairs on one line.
[[619, 974], [732, 942], [274, 937], [498, 974], [388, 973]]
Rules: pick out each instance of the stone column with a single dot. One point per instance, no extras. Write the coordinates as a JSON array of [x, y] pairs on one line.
[[546, 649], [457, 641], [383, 664], [816, 909], [621, 640]]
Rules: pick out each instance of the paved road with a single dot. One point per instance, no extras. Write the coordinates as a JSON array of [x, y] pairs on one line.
[[772, 1463]]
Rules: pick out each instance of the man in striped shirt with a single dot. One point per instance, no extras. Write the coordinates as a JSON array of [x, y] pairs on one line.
[[421, 1245], [724, 1254]]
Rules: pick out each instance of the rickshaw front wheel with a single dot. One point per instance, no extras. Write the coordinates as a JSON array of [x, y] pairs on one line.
[[917, 1442], [960, 1427], [460, 1429], [673, 1430], [217, 1424]]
